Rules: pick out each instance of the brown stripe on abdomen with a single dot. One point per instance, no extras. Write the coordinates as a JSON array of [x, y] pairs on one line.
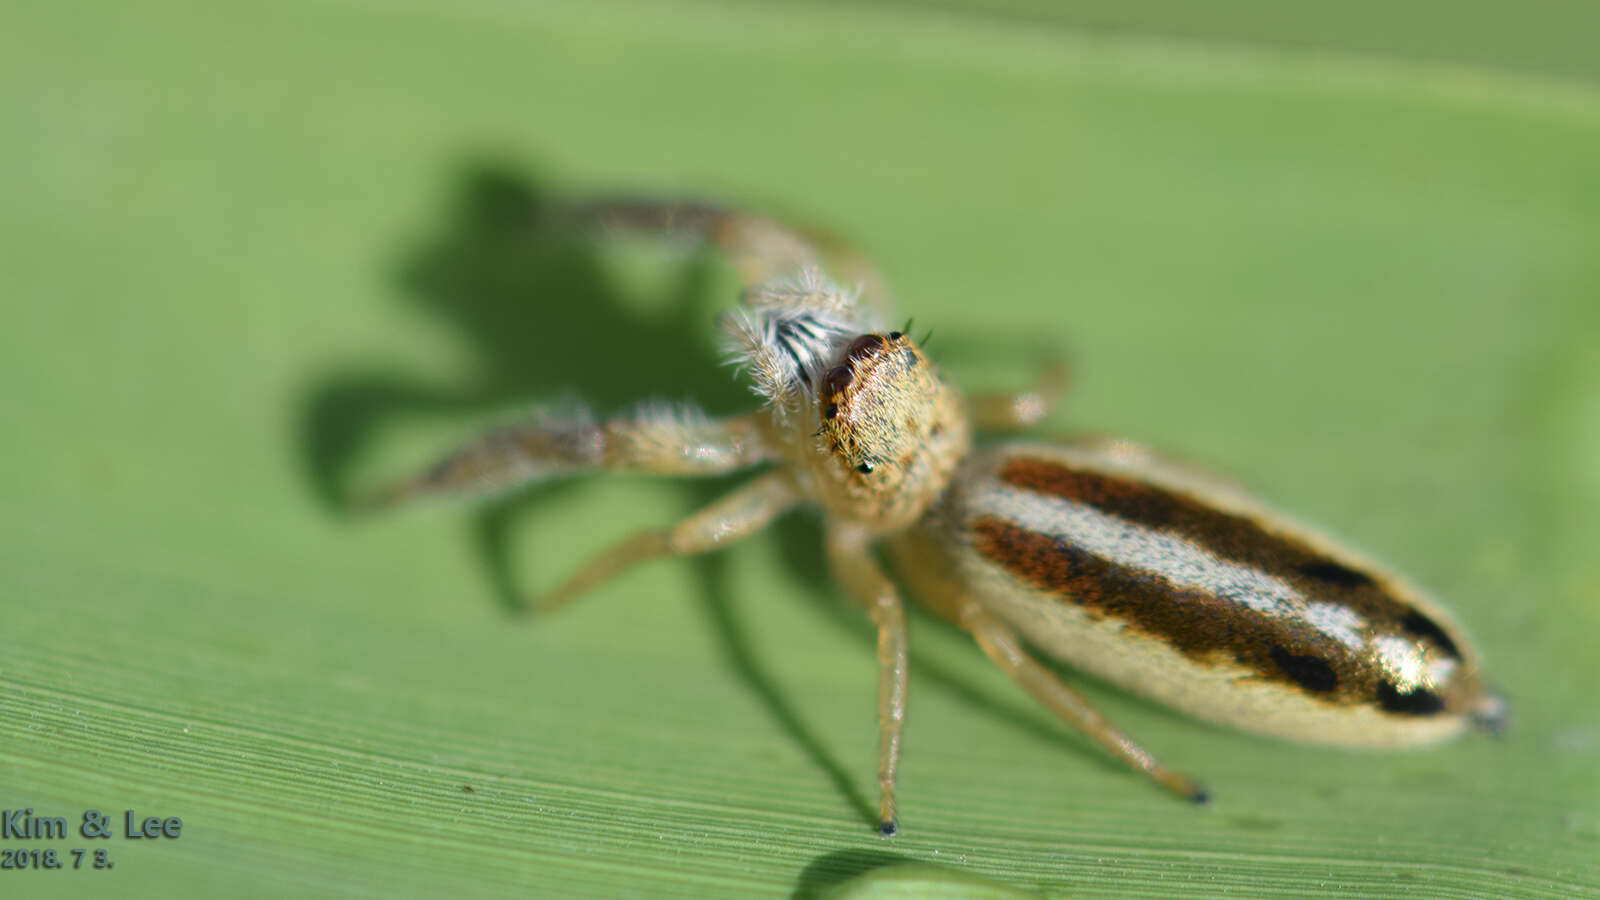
[[1232, 537], [1208, 630]]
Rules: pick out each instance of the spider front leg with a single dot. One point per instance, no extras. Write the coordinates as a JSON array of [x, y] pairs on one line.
[[739, 514], [653, 440], [849, 554], [759, 247], [1014, 411]]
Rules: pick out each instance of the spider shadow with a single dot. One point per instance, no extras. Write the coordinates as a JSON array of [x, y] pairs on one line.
[[826, 873], [845, 873], [538, 312]]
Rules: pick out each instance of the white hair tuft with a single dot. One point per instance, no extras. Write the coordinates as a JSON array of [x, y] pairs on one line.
[[789, 331]]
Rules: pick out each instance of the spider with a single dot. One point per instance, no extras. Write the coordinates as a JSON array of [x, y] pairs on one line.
[[1132, 567]]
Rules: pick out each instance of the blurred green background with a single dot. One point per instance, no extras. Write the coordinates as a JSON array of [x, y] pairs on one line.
[[255, 255]]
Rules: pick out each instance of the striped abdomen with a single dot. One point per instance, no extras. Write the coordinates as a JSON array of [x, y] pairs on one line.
[[1192, 594]]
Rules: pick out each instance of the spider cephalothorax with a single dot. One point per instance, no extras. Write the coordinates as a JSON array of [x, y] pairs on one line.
[[863, 412], [891, 432]]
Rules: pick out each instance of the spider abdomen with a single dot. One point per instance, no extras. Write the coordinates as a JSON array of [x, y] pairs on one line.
[[1187, 591]]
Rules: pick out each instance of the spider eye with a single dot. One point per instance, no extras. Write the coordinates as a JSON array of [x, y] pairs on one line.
[[863, 346], [837, 379], [865, 468]]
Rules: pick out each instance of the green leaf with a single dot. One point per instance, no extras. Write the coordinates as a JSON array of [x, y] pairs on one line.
[[258, 257]]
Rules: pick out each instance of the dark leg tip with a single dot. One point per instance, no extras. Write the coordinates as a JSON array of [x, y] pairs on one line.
[[1201, 797], [889, 828]]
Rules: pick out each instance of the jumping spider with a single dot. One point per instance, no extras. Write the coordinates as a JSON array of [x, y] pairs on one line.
[[1137, 569]]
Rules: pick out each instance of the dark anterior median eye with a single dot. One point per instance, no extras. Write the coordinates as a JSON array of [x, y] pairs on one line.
[[863, 346], [837, 379]]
